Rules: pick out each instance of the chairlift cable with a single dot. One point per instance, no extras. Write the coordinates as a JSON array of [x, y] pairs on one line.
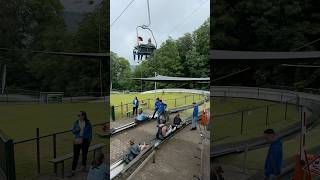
[[148, 5], [300, 65], [231, 74], [130, 3], [183, 20]]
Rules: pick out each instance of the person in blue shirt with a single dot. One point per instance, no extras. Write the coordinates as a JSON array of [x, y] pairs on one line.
[[141, 116], [156, 107], [82, 131], [161, 110], [195, 116], [135, 104], [273, 162]]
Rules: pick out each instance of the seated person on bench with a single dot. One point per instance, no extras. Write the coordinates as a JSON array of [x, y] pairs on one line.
[[164, 131], [177, 122], [98, 168], [141, 116], [134, 150]]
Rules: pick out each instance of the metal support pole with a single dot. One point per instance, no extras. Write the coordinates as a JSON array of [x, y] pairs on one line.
[[245, 157], [242, 114], [285, 113], [54, 136], [267, 116], [38, 150]]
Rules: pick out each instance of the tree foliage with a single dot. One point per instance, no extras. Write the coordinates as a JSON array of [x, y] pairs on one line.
[[267, 25], [40, 25]]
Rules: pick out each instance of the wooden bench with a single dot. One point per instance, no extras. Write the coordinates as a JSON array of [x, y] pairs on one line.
[[130, 112], [62, 159]]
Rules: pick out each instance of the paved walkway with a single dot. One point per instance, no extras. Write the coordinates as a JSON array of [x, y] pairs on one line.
[[179, 158]]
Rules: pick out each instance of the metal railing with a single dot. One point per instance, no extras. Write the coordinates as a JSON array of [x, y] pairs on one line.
[[32, 155], [29, 96], [121, 110]]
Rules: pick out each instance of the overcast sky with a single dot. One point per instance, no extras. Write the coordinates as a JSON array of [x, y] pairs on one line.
[[168, 18]]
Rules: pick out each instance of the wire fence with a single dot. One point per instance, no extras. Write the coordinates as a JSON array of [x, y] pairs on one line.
[[251, 121], [32, 155], [125, 109], [21, 96]]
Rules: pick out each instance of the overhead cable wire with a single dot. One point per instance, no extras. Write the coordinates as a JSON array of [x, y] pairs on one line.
[[231, 74], [183, 20], [124, 10]]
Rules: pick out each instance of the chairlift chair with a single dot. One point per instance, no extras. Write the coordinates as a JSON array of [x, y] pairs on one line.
[[144, 49]]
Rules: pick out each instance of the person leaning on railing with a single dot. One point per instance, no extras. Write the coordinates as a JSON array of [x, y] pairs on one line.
[[82, 130]]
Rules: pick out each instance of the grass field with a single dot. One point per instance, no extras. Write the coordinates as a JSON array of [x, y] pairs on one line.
[[171, 99], [20, 122], [227, 128]]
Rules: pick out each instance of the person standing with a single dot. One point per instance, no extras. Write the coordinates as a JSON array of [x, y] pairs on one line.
[[156, 107], [135, 104], [195, 116], [273, 162], [82, 130], [161, 109]]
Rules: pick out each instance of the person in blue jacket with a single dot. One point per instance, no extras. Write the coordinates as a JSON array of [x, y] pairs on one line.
[[161, 110], [195, 116], [156, 107], [82, 131], [273, 162]]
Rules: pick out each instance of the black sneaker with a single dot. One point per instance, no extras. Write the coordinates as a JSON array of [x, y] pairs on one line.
[[193, 129]]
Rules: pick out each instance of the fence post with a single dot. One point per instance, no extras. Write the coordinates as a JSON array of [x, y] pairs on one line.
[[121, 109], [285, 113], [10, 161], [55, 151], [127, 108], [245, 157], [267, 116], [113, 113], [38, 149], [242, 113]]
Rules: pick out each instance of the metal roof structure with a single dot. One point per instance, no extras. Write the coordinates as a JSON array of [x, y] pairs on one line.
[[160, 78], [226, 56], [87, 55]]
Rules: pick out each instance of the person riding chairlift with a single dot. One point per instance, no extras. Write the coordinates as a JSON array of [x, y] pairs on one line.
[[149, 45], [164, 131]]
